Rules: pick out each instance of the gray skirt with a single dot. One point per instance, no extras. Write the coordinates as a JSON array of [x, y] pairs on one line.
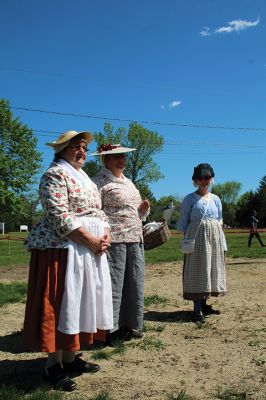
[[204, 270]]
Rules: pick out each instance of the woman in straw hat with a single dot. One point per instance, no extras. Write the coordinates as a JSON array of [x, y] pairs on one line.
[[123, 205], [204, 268], [69, 294]]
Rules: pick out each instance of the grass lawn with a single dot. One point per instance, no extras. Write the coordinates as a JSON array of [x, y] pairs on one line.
[[13, 252], [236, 243], [12, 292]]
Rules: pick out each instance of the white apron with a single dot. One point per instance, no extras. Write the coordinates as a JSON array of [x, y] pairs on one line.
[[87, 300]]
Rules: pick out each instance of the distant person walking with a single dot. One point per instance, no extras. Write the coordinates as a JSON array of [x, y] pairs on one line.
[[253, 229]]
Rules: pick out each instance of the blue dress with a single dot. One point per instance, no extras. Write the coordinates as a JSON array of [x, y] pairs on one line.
[[204, 269]]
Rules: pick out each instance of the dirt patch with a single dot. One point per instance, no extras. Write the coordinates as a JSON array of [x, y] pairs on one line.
[[15, 273], [227, 352]]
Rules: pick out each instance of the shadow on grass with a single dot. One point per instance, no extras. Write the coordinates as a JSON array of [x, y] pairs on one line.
[[25, 375], [164, 316], [12, 343]]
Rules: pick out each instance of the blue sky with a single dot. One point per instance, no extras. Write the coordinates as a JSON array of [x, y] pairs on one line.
[[192, 62]]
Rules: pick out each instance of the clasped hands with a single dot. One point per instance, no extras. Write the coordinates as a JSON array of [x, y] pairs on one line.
[[97, 244], [100, 244]]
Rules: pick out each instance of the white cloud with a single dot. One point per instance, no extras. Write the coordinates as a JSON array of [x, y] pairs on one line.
[[237, 26], [174, 103], [205, 31]]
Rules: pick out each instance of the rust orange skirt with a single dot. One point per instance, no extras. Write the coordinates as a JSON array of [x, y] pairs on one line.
[[45, 291]]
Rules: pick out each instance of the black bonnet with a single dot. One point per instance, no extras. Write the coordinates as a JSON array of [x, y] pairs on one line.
[[202, 170]]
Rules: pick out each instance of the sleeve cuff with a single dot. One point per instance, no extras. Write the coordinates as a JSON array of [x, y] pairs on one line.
[[70, 228]]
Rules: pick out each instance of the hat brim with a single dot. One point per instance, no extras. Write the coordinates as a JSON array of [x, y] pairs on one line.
[[202, 176], [114, 151], [65, 137]]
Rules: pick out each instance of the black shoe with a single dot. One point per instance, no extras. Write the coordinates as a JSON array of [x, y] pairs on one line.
[[79, 365], [198, 317], [114, 337], [136, 334], [208, 310], [58, 380], [123, 334], [132, 334]]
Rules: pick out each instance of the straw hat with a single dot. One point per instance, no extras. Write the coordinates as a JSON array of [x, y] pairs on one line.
[[112, 149], [63, 140]]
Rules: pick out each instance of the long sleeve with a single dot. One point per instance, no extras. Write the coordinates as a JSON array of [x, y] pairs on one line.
[[55, 202], [120, 202], [184, 217], [64, 199], [219, 207], [194, 208]]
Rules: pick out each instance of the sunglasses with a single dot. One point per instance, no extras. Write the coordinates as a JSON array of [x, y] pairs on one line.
[[117, 156], [77, 147], [205, 177]]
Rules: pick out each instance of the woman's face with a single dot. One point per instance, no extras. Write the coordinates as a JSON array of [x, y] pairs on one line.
[[75, 153], [204, 182], [115, 162]]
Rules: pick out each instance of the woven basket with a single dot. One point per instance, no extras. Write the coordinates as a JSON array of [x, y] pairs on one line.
[[157, 237]]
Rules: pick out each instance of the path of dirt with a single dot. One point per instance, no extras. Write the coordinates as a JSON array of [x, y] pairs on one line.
[[227, 352]]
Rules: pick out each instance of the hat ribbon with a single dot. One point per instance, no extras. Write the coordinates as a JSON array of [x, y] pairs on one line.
[[107, 147]]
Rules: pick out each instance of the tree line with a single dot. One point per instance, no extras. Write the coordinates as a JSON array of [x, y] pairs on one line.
[[20, 162]]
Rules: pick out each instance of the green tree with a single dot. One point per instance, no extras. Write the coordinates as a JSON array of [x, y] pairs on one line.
[[19, 162], [141, 168], [162, 204], [259, 201], [228, 193], [92, 168], [253, 201], [26, 213], [245, 204], [146, 193]]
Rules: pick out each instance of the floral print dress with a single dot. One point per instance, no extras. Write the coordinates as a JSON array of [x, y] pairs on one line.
[[120, 202], [71, 200]]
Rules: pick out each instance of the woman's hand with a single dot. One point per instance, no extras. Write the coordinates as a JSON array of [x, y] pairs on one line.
[[96, 244], [107, 234], [99, 245], [144, 206]]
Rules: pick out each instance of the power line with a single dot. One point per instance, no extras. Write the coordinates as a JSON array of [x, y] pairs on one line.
[[192, 143], [209, 126], [40, 148], [181, 143], [45, 131]]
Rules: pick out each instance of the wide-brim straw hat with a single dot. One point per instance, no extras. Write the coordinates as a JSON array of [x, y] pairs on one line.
[[63, 140], [112, 149]]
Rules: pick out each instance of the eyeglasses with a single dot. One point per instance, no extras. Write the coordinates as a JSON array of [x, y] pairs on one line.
[[205, 177], [119, 155], [78, 147]]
